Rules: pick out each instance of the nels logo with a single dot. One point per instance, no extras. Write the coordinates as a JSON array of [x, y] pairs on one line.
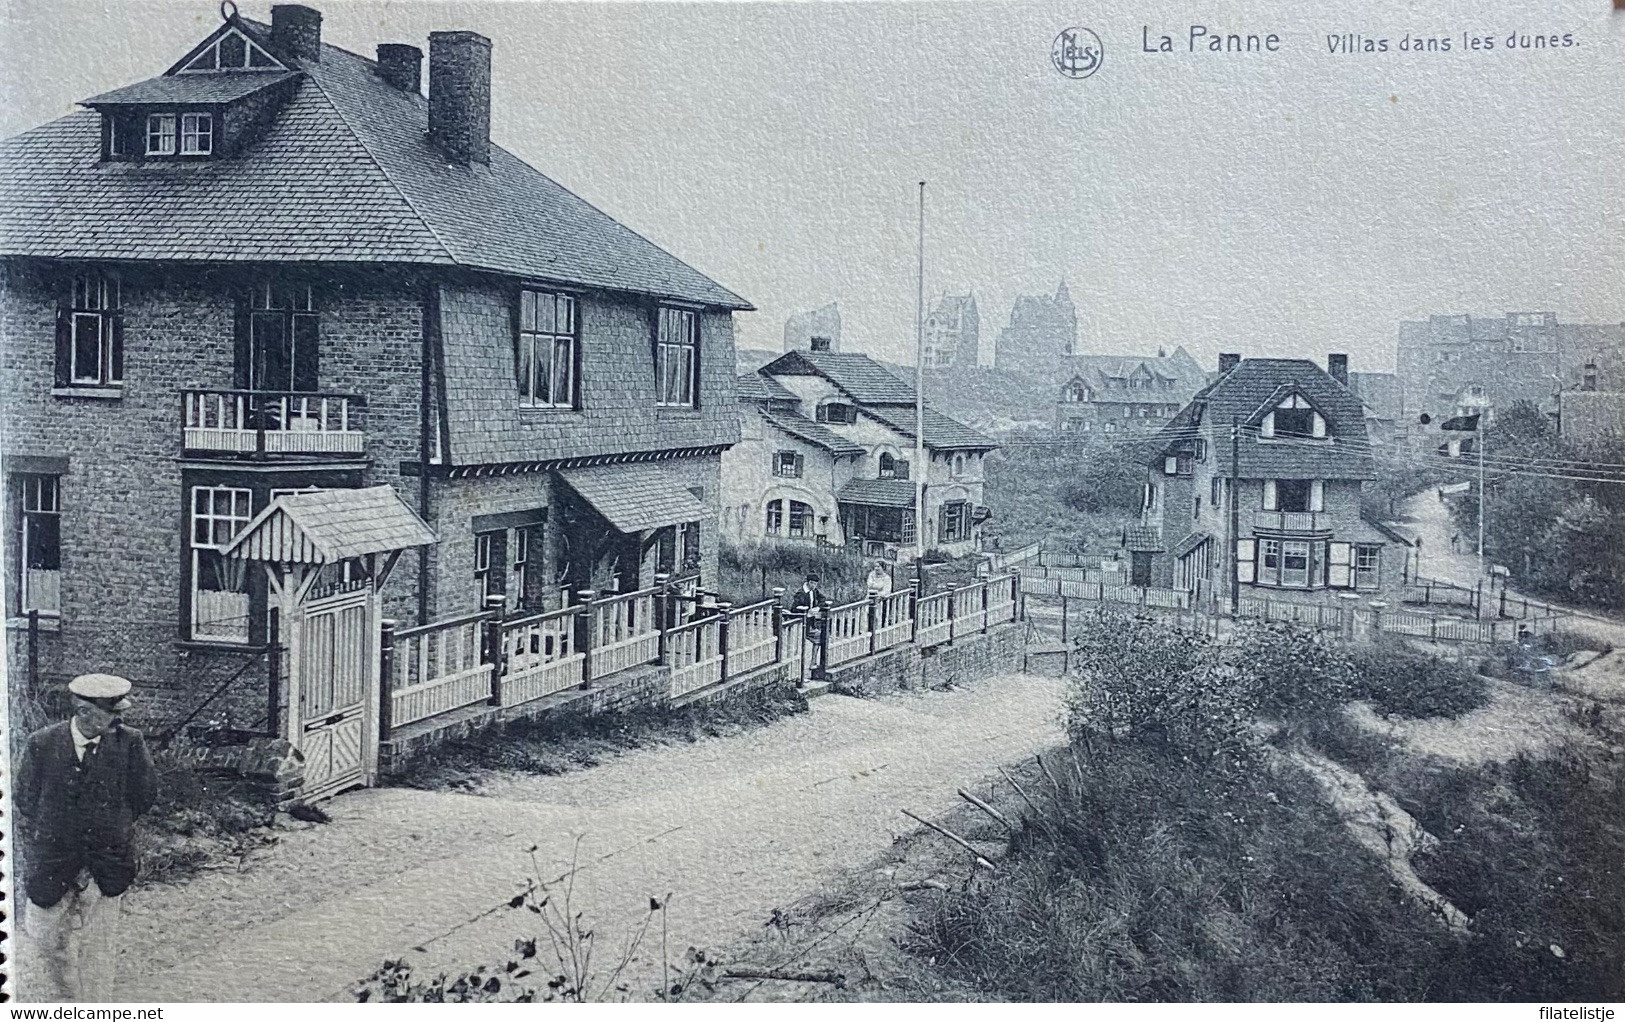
[[1077, 52]]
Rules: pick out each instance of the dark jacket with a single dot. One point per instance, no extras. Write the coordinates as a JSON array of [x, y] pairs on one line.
[[75, 816], [805, 601]]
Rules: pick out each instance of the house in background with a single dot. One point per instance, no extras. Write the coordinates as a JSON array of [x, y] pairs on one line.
[[1042, 330], [1478, 365], [820, 326], [828, 457], [279, 267], [1107, 394], [952, 333], [1384, 398], [1301, 454]]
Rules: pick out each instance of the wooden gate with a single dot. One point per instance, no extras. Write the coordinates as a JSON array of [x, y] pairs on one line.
[[333, 720]]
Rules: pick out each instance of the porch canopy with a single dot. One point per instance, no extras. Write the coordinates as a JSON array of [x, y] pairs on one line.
[[894, 493], [634, 498], [331, 526]]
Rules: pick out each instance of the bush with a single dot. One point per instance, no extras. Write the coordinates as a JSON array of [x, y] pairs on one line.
[[1143, 880], [1397, 679]]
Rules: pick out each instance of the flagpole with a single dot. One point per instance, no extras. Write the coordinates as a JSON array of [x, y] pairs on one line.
[[919, 395]]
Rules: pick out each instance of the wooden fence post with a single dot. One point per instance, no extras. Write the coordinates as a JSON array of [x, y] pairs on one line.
[[778, 624], [724, 615], [914, 595], [662, 620], [821, 643], [585, 629], [491, 644], [1063, 621], [273, 670], [953, 600], [984, 606], [870, 597], [33, 652], [386, 677]]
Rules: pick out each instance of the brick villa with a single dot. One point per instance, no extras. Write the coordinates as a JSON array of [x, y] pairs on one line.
[[1301, 455], [278, 267]]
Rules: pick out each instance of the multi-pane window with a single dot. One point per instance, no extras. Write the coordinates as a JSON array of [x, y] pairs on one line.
[[1294, 563], [801, 516], [775, 517], [197, 134], [1269, 569], [90, 333], [219, 584], [953, 522], [283, 344], [836, 411], [546, 354], [1367, 563], [788, 464], [689, 537], [677, 358], [39, 543], [161, 135], [892, 467], [490, 564]]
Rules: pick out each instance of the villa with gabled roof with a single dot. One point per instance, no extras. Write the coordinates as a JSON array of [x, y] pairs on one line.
[[279, 266]]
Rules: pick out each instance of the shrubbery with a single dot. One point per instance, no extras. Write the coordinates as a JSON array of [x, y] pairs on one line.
[[1396, 679]]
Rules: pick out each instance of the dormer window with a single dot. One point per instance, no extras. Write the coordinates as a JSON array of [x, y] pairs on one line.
[[1293, 418], [197, 134], [160, 134]]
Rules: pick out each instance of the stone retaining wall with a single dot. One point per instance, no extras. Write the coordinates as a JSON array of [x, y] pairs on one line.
[[909, 667]]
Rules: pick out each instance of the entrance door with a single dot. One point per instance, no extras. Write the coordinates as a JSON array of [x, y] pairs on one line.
[[1140, 570], [335, 660]]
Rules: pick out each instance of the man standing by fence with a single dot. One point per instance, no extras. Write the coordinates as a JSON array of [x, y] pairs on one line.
[[80, 787]]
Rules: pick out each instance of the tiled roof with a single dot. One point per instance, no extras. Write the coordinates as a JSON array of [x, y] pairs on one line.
[[941, 432], [862, 378], [221, 87], [817, 434], [345, 174], [1241, 395], [1190, 543], [877, 492], [757, 387], [1143, 538], [329, 526], [635, 497]]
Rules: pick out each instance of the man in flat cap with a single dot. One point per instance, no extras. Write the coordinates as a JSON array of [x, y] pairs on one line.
[[80, 787]]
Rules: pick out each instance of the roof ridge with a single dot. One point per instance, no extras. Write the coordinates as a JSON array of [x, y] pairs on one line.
[[423, 221]]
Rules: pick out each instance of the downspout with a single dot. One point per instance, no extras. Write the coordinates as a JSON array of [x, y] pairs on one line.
[[431, 329]]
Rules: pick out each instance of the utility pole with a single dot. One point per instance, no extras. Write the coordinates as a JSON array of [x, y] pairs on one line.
[[919, 395], [1235, 517], [1478, 441]]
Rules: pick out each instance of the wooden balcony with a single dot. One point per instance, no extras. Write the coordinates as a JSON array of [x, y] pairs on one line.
[[1297, 522], [263, 423]]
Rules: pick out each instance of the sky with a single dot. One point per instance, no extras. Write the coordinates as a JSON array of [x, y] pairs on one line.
[[1287, 203]]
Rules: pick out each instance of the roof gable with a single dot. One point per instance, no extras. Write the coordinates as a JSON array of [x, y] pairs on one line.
[[857, 376], [344, 174], [228, 49], [329, 526]]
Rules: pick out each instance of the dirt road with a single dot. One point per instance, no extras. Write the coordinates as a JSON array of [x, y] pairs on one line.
[[731, 827]]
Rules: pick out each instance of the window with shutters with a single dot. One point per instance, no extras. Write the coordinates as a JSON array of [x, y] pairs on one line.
[[801, 518], [892, 467], [787, 464], [36, 514], [90, 333], [1367, 566], [954, 522]]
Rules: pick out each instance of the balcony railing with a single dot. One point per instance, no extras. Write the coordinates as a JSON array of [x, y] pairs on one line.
[[1292, 521], [266, 422]]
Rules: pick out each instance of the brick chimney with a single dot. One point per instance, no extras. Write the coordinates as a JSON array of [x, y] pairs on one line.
[[297, 31], [401, 66], [1337, 367], [460, 95], [1228, 361]]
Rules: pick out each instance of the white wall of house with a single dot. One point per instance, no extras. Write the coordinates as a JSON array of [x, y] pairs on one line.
[[749, 484]]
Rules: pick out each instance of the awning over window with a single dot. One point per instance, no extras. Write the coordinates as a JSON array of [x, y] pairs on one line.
[[1190, 543], [878, 492], [329, 526], [634, 498]]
